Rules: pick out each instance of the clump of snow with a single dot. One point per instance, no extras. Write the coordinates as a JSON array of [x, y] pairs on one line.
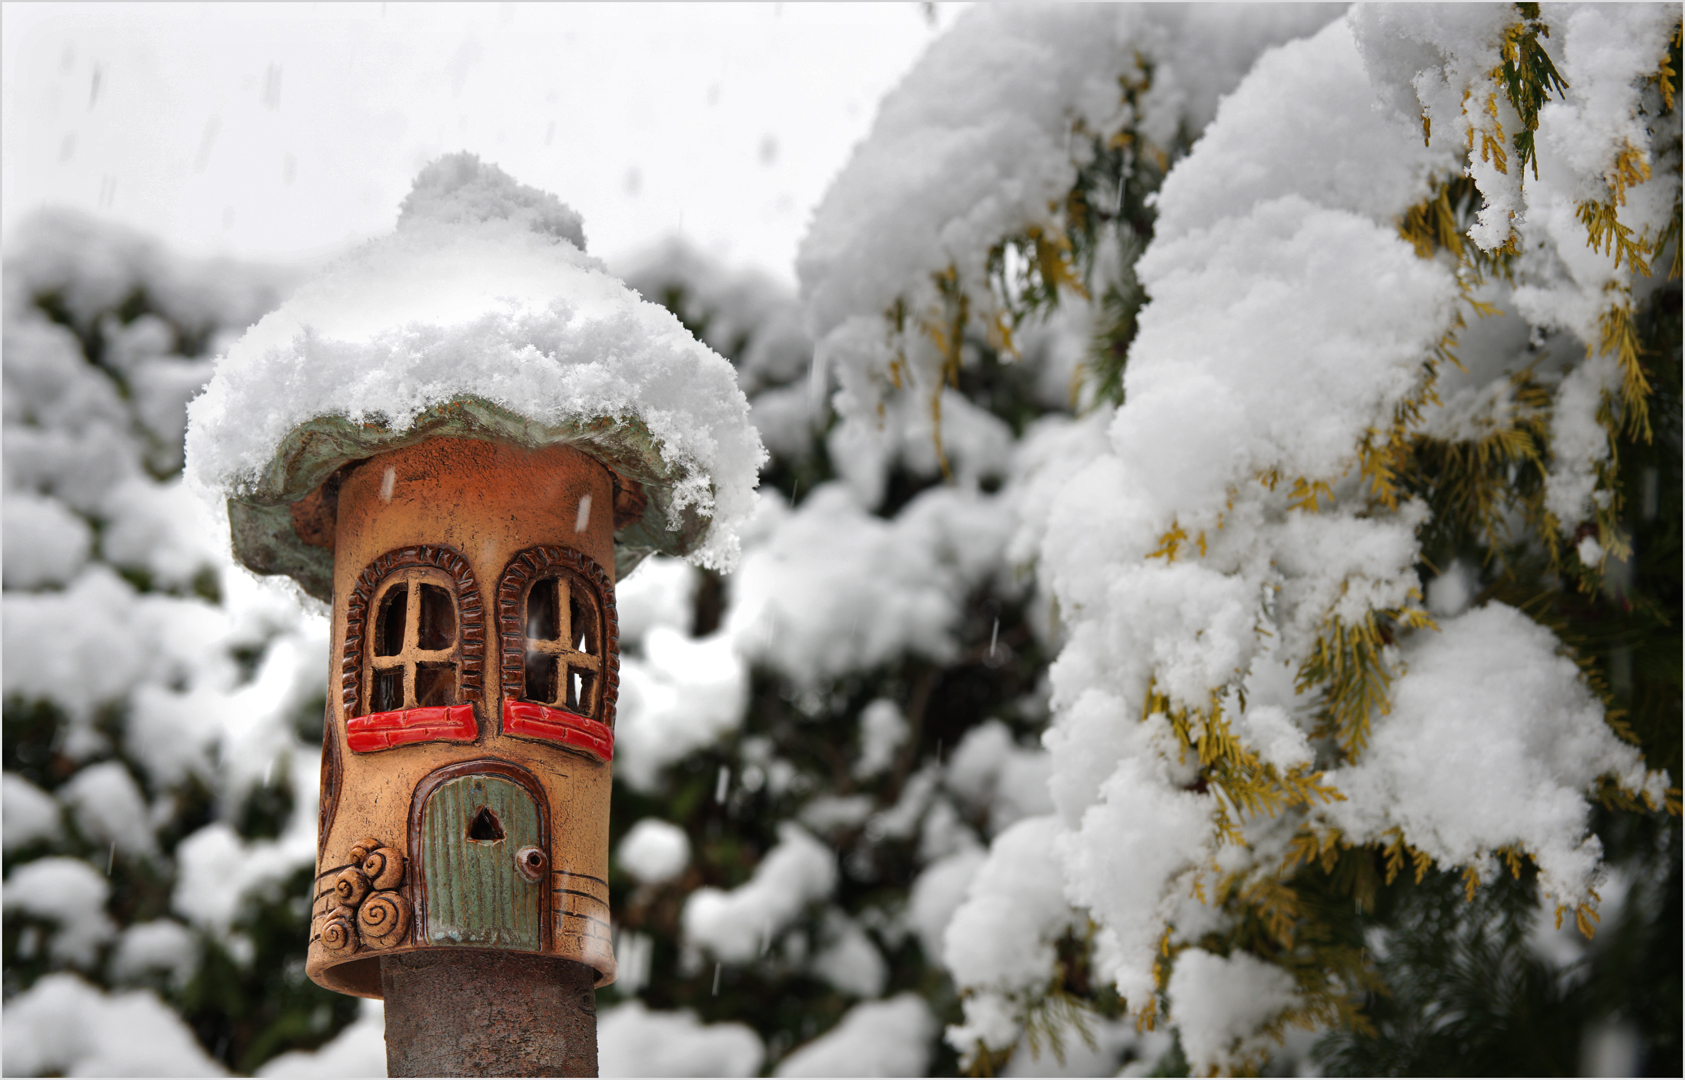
[[945, 174], [654, 851], [27, 814], [1001, 940], [94, 407], [71, 894], [1531, 745], [633, 954], [1219, 1003], [160, 945], [994, 774], [848, 960], [90, 266], [735, 925], [1446, 57], [467, 301], [108, 807], [1126, 861], [874, 1038], [786, 418], [359, 1050], [161, 529], [62, 1026], [161, 388], [976, 444], [682, 696], [937, 893], [217, 870], [1302, 419], [459, 189], [660, 592], [1052, 448], [882, 731], [1328, 318], [45, 543], [1449, 593], [139, 642], [634, 1040], [1268, 211], [1439, 62], [1579, 445], [836, 589], [831, 813]]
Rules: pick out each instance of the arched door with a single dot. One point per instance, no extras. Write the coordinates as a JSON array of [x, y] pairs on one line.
[[479, 832]]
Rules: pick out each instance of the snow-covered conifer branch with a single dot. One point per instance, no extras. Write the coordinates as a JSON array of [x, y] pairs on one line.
[[1249, 660]]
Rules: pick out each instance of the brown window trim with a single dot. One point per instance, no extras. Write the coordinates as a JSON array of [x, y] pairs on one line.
[[470, 612], [530, 566]]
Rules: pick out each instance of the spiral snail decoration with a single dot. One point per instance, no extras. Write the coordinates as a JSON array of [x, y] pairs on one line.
[[351, 886], [384, 869], [384, 919], [368, 910], [339, 932]]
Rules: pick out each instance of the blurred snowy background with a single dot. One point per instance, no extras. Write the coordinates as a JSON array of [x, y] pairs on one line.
[[168, 171], [863, 823], [283, 132]]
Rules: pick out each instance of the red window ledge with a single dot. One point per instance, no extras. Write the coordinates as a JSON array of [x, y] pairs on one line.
[[385, 730], [528, 720]]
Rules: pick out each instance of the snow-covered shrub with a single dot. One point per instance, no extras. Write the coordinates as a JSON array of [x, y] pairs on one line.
[[1388, 295], [160, 757], [1206, 539]]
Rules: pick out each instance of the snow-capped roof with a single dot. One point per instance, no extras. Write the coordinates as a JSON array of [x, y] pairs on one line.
[[479, 317]]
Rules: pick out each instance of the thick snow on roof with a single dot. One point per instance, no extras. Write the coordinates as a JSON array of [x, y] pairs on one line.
[[458, 189], [482, 296]]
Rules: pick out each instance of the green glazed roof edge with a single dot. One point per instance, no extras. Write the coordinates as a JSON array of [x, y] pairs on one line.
[[260, 519]]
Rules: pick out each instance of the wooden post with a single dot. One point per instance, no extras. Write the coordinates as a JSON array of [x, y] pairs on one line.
[[479, 1012]]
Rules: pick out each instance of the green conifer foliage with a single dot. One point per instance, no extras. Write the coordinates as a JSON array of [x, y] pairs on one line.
[[1461, 943], [242, 993]]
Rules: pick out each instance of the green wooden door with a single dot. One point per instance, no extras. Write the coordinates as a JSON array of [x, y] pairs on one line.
[[471, 829]]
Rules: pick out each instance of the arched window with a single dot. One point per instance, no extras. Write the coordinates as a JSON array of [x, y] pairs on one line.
[[414, 655], [561, 664], [564, 645]]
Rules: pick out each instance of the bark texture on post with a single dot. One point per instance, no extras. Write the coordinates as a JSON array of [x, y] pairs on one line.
[[478, 1012]]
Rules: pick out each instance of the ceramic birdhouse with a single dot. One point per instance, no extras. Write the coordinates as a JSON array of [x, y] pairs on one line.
[[457, 438]]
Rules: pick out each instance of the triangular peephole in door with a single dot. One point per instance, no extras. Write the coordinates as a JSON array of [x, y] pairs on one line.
[[485, 827]]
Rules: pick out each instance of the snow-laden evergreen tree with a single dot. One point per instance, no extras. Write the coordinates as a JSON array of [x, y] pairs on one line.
[[1212, 599], [162, 711], [1364, 520]]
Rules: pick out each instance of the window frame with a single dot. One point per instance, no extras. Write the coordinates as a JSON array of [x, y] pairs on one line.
[[410, 657], [523, 572], [362, 611], [559, 653]]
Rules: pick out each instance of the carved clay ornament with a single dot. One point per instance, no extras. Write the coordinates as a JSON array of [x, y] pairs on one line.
[[459, 438]]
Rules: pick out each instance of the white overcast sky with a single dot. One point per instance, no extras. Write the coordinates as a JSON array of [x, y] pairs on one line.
[[283, 132]]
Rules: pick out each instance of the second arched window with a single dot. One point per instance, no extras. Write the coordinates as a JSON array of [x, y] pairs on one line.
[[563, 665], [560, 665]]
